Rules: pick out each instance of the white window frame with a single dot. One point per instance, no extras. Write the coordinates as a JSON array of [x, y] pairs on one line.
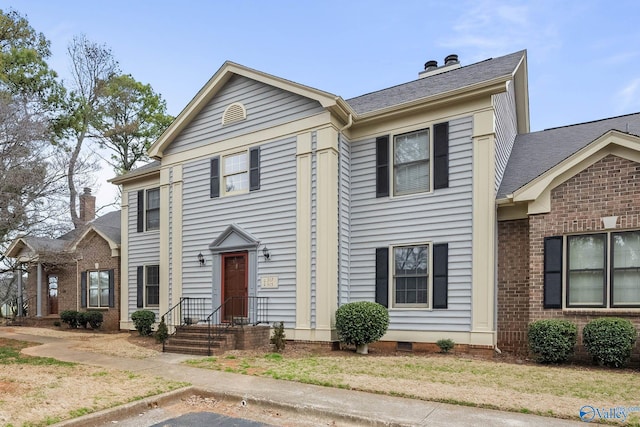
[[147, 209], [608, 303], [99, 288], [225, 173], [392, 162], [147, 285], [392, 277]]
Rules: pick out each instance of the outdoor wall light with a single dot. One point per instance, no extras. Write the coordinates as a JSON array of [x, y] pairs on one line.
[[201, 259], [265, 252]]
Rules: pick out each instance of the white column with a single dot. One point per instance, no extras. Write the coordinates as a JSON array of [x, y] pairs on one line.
[[20, 290], [39, 291]]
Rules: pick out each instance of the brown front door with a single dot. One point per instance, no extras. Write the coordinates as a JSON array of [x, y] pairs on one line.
[[234, 285]]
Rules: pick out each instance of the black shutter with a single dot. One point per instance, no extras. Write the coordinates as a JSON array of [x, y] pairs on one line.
[[83, 289], [112, 295], [140, 211], [382, 166], [382, 276], [553, 272], [441, 155], [214, 186], [440, 275], [140, 283], [254, 169]]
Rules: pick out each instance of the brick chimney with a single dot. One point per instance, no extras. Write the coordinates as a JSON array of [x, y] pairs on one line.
[[87, 206]]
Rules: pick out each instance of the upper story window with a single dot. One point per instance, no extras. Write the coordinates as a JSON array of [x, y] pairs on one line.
[[148, 210], [411, 163], [235, 173], [420, 161], [602, 270], [153, 209]]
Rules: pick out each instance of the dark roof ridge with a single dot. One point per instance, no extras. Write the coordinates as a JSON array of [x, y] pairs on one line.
[[589, 122], [438, 74]]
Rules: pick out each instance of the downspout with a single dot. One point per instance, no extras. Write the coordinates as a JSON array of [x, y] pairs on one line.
[[340, 135], [78, 293]]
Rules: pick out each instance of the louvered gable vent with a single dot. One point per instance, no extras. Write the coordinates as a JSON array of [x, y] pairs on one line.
[[234, 113]]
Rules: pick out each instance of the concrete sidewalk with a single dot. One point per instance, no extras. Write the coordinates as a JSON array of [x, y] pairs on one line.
[[339, 404]]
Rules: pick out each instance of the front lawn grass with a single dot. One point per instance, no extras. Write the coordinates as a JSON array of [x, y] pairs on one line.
[[558, 391]]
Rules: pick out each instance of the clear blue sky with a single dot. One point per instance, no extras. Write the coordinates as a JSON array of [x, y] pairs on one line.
[[584, 56]]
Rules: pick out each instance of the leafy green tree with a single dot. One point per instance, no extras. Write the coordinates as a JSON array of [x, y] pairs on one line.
[[23, 60], [129, 117]]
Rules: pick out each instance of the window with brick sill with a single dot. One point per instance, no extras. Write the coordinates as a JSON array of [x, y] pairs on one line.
[[602, 270]]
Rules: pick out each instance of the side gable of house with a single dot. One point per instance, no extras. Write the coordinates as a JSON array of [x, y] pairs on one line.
[[242, 105]]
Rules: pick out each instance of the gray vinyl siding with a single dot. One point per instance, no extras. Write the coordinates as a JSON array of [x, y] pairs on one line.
[[444, 216], [266, 106], [344, 199], [506, 129], [268, 214], [144, 249]]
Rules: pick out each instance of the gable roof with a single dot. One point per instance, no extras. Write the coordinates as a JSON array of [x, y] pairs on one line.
[[469, 75], [535, 153], [220, 78], [107, 226]]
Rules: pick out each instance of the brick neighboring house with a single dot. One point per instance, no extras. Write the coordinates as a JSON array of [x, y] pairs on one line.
[[79, 270], [569, 228]]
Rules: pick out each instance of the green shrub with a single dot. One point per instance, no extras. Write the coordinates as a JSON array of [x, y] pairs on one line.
[[609, 340], [445, 345], [57, 323], [143, 321], [70, 317], [552, 340], [278, 338], [82, 319], [94, 318], [361, 322], [162, 333]]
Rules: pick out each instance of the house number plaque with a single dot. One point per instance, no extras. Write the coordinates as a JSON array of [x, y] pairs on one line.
[[269, 282]]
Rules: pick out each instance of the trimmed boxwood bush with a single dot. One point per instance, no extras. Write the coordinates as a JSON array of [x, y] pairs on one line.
[[552, 340], [610, 340], [361, 322], [82, 319], [143, 321], [94, 318], [70, 317]]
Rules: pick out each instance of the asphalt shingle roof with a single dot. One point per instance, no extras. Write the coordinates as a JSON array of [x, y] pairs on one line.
[[535, 153], [440, 83]]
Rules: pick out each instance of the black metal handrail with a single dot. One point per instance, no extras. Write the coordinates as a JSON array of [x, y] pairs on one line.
[[188, 311]]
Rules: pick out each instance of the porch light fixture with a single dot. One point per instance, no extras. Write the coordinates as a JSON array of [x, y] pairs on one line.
[[265, 253], [201, 259]]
